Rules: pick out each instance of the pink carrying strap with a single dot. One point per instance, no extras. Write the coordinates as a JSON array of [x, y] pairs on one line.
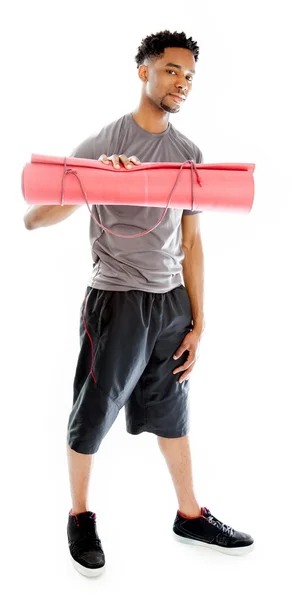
[[69, 171]]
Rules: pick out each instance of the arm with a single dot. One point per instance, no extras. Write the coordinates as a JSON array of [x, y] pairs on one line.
[[193, 267], [91, 147], [43, 216]]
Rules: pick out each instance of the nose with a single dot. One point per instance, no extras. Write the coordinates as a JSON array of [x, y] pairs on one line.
[[182, 85]]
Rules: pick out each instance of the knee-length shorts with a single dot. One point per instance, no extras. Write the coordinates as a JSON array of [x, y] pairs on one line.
[[127, 343]]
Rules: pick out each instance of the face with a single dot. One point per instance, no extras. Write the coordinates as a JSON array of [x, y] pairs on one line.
[[168, 79]]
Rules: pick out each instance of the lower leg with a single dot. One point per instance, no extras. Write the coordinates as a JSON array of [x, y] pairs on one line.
[[177, 454], [79, 474]]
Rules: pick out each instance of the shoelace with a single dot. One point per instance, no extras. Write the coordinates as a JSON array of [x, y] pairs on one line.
[[224, 528]]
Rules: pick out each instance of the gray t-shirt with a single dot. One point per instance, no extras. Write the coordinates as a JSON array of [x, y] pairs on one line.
[[153, 262]]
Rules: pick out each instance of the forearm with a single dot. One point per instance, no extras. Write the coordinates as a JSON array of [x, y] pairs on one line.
[[36, 216], [193, 275], [44, 216]]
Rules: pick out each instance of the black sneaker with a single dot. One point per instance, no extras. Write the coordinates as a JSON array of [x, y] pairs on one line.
[[206, 530], [84, 544]]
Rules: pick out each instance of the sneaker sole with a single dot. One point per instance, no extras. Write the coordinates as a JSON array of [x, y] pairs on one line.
[[239, 551], [86, 571]]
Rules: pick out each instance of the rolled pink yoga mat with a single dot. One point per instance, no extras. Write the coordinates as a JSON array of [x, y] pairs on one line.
[[49, 180]]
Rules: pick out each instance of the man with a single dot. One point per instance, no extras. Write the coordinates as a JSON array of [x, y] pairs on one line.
[[140, 326]]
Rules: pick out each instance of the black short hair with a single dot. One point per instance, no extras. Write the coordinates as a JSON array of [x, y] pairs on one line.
[[154, 45]]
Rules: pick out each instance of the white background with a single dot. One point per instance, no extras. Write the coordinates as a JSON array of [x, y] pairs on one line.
[[68, 69]]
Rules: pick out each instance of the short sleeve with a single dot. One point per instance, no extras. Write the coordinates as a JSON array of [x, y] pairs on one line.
[[86, 149], [101, 142], [195, 212]]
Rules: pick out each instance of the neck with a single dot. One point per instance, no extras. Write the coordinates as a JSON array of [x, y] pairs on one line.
[[151, 117]]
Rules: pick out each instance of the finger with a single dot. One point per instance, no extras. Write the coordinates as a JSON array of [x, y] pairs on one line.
[[115, 160], [183, 367], [179, 352], [185, 376], [135, 160], [126, 161], [103, 158]]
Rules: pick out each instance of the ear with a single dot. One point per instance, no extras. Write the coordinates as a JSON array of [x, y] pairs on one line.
[[143, 73]]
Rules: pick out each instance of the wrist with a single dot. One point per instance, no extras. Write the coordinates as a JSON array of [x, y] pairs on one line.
[[198, 326]]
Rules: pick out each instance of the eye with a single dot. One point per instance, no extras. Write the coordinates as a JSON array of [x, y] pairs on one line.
[[189, 77]]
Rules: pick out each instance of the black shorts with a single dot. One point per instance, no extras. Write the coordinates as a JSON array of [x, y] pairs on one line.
[[127, 343]]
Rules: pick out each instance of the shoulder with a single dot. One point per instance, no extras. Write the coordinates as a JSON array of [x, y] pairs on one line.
[[98, 142], [192, 147], [112, 126]]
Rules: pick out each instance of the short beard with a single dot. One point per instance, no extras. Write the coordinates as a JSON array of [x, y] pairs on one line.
[[168, 109]]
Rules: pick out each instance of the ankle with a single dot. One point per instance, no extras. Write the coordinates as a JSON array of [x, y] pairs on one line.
[[190, 511], [76, 510]]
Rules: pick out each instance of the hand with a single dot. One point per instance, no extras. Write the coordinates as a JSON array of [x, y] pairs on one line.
[[116, 159], [190, 344]]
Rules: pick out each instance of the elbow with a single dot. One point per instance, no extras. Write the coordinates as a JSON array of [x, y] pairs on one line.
[[28, 223], [188, 250]]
